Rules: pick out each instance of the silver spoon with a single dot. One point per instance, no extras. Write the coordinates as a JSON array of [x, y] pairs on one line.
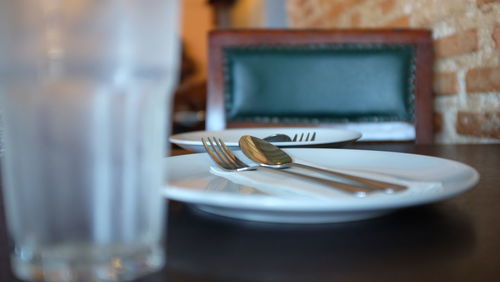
[[266, 154]]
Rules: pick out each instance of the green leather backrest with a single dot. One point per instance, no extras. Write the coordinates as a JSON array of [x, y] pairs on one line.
[[319, 83]]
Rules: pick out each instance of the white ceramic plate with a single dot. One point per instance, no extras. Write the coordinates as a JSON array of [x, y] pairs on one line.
[[191, 182], [324, 137]]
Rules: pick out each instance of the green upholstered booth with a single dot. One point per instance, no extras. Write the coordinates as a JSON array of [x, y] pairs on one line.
[[374, 81]]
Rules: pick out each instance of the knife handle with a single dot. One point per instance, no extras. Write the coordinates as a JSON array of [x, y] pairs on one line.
[[352, 189], [370, 183]]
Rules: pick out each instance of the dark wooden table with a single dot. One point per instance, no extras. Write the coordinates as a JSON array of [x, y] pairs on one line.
[[454, 240]]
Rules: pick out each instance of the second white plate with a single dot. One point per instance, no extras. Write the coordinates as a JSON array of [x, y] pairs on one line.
[[326, 137]]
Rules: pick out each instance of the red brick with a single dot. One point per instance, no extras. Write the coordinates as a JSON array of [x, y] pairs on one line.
[[445, 83], [483, 80], [457, 44], [300, 2], [353, 3], [387, 6], [403, 21], [306, 10], [355, 20], [485, 124], [317, 22], [336, 10], [496, 35], [482, 2]]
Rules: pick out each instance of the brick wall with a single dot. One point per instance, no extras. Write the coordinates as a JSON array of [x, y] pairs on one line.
[[467, 53]]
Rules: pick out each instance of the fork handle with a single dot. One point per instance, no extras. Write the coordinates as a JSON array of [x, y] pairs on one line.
[[352, 189], [371, 183]]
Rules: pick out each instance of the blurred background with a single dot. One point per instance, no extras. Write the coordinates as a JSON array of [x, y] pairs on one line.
[[466, 48]]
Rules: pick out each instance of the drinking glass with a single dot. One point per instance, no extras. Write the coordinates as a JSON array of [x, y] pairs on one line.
[[85, 93]]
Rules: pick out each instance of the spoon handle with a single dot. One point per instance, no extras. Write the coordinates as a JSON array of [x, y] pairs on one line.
[[352, 189], [371, 183]]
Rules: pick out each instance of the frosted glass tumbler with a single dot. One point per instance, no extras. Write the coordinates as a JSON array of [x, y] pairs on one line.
[[85, 94]]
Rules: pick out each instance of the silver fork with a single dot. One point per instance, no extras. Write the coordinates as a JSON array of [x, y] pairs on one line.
[[223, 156], [298, 138]]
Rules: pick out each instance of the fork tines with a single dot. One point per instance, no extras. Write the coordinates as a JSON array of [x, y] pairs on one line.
[[300, 137], [221, 154]]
